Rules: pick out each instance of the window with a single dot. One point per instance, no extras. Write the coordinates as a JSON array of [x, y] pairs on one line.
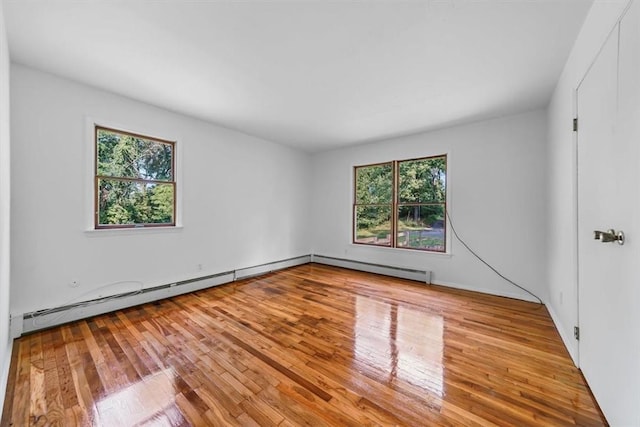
[[134, 180], [401, 204]]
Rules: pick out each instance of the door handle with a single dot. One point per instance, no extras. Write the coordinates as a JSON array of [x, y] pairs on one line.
[[609, 236]]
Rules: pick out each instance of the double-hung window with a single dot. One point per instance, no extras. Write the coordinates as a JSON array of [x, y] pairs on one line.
[[401, 204], [135, 182]]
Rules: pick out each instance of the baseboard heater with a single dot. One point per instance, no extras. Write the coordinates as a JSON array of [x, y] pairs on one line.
[[257, 270], [423, 276], [42, 319]]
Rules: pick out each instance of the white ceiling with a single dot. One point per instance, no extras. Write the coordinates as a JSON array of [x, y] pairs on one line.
[[313, 74]]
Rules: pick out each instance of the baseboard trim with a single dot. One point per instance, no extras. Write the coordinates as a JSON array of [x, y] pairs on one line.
[[568, 340], [423, 276], [522, 297]]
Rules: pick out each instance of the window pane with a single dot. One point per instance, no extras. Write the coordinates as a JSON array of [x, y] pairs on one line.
[[421, 227], [374, 184], [128, 156], [373, 225], [422, 181], [129, 202]]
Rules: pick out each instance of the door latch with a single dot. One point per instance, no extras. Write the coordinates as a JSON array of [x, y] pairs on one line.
[[609, 236]]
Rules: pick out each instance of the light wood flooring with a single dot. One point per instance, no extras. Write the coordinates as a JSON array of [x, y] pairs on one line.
[[311, 345]]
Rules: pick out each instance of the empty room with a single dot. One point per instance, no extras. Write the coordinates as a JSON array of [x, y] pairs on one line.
[[321, 213]]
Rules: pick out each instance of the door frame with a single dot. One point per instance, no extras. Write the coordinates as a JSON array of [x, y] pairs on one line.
[[575, 256]]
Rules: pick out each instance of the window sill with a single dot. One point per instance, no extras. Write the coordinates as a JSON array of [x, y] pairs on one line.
[[132, 231], [402, 250]]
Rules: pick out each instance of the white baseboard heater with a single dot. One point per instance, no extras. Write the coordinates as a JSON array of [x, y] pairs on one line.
[[41, 319], [66, 313], [257, 270], [423, 276]]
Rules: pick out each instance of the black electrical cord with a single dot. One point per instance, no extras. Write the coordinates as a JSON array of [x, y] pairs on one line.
[[455, 233]]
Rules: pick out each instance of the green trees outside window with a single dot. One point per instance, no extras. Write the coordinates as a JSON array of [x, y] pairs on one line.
[[134, 180], [402, 204]]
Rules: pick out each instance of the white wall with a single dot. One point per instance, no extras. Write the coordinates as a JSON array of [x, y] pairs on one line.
[[5, 195], [562, 214], [245, 200], [496, 184]]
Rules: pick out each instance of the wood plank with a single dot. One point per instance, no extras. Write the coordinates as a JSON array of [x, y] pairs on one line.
[[53, 393], [280, 368]]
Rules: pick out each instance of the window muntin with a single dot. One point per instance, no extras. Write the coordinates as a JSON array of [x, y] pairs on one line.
[[402, 204], [134, 180]]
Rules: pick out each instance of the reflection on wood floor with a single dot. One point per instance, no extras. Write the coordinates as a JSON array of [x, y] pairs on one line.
[[312, 345]]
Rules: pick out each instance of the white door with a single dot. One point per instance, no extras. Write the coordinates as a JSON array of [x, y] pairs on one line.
[[609, 198]]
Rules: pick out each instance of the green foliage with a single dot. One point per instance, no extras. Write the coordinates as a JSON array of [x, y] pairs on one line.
[[135, 184], [116, 214], [374, 184], [421, 215], [422, 181], [373, 221], [162, 204]]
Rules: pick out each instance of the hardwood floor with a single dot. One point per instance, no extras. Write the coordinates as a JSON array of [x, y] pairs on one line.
[[311, 345]]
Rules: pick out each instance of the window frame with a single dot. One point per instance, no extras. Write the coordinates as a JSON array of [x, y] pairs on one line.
[[396, 204], [356, 204], [96, 180]]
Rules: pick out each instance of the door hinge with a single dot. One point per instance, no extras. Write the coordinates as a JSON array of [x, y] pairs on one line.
[[575, 124], [576, 332]]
